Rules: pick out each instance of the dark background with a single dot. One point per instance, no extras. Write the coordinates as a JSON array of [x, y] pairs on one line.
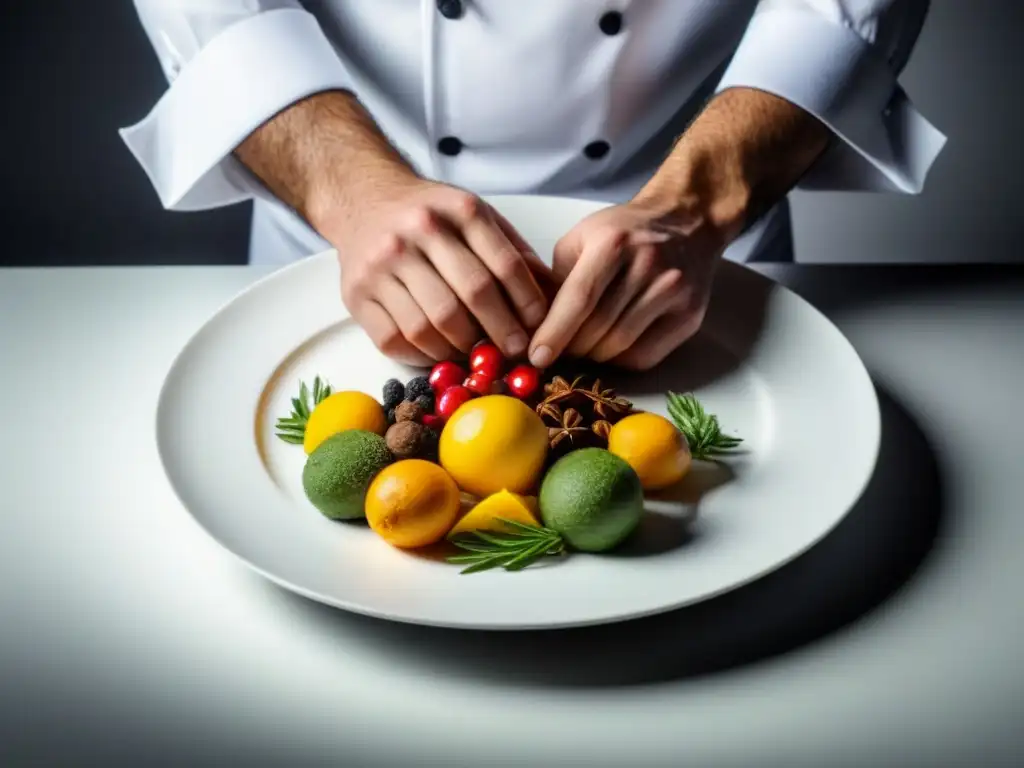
[[75, 71]]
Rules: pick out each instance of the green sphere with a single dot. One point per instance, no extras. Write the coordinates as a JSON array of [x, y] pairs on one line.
[[593, 498], [339, 472]]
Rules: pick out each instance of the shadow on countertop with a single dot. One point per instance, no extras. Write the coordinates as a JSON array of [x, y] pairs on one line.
[[865, 561]]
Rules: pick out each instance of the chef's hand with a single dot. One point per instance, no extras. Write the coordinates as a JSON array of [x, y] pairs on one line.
[[638, 276], [426, 267], [636, 286]]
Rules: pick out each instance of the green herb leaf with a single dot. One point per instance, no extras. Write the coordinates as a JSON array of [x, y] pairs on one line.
[[321, 391], [701, 429], [485, 564], [292, 428], [512, 549]]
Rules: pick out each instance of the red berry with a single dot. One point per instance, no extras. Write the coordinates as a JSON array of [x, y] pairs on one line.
[[432, 421], [523, 381], [479, 383], [486, 358], [451, 399], [446, 374]]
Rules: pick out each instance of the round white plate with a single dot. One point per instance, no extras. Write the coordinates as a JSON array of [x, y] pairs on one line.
[[776, 372]]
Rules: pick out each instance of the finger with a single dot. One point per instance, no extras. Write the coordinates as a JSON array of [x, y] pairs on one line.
[[566, 253], [475, 287], [386, 336], [546, 279], [545, 276], [506, 262], [666, 293], [626, 287], [662, 338], [411, 320], [440, 304], [511, 232], [577, 298], [542, 271]]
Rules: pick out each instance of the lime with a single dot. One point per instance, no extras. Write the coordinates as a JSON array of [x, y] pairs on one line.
[[339, 472], [592, 498]]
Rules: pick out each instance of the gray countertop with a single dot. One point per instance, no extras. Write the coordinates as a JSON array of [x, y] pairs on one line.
[[129, 637]]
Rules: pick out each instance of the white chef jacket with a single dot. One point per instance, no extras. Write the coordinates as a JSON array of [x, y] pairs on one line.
[[571, 97]]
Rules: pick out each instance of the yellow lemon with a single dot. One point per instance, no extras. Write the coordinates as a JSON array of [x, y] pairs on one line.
[[503, 504], [653, 447], [494, 443], [340, 412], [412, 503]]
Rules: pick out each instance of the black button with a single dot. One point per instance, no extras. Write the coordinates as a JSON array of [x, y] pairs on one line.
[[595, 150], [450, 9], [449, 145], [611, 23]]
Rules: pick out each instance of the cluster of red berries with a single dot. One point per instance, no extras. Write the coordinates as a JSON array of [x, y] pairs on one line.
[[453, 385]]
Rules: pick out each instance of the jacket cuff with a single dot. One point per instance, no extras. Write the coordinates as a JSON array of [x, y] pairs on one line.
[[240, 79], [831, 72]]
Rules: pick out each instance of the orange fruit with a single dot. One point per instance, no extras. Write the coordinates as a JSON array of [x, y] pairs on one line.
[[341, 412], [653, 447], [494, 443], [412, 503]]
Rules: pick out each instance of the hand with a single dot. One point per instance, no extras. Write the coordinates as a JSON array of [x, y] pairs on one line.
[[426, 266], [636, 286]]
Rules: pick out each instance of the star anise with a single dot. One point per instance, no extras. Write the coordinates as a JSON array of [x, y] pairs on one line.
[[556, 385], [595, 402], [559, 385], [562, 392], [571, 432], [606, 404], [550, 413], [612, 409], [601, 428], [597, 392]]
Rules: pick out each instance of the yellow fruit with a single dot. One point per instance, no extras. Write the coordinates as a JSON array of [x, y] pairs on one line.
[[484, 516], [494, 443], [340, 412], [412, 503], [653, 447]]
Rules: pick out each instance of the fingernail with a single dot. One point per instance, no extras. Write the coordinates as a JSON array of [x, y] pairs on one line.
[[516, 344], [541, 357]]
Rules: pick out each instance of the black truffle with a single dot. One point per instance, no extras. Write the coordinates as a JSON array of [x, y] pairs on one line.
[[426, 403], [394, 393], [418, 386]]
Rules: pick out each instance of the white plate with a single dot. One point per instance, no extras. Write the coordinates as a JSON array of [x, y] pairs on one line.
[[775, 370]]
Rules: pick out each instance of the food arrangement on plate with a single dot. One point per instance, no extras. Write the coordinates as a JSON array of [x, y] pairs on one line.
[[507, 467]]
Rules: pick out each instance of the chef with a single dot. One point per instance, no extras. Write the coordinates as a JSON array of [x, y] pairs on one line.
[[372, 126]]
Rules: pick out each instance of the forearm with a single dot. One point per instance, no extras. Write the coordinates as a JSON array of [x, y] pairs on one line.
[[322, 156], [744, 152]]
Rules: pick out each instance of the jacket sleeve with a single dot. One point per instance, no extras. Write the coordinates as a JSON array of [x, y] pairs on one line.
[[231, 65], [839, 60]]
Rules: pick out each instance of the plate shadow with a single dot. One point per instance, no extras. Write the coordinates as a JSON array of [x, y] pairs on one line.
[[669, 515], [866, 560]]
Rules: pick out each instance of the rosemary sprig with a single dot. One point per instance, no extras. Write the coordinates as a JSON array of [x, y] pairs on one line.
[[512, 549], [700, 428], [292, 429]]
